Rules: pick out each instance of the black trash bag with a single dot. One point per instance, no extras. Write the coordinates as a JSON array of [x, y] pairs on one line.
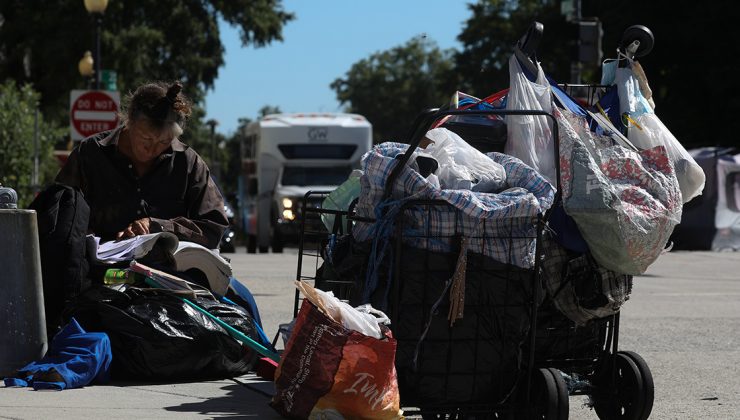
[[156, 336], [344, 269], [344, 272]]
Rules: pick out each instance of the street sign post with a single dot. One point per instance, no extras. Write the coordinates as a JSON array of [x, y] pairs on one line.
[[108, 79], [92, 111]]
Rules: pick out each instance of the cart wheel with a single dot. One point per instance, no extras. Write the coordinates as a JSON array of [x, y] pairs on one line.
[[543, 401], [647, 382], [563, 397], [620, 394]]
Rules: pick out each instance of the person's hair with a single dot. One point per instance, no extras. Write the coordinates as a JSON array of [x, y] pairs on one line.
[[163, 105]]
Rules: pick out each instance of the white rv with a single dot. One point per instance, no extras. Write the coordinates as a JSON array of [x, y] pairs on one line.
[[286, 155]]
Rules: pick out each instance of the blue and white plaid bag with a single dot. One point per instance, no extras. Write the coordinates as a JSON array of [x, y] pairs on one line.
[[498, 225]]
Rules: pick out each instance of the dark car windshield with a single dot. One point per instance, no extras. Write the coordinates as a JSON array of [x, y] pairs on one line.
[[301, 176]]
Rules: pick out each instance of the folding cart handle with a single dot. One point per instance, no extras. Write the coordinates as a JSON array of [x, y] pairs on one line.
[[526, 48], [418, 130]]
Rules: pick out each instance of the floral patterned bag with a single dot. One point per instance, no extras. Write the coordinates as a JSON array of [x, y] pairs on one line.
[[625, 202]]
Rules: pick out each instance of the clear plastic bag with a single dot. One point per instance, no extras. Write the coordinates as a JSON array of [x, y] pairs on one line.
[[341, 198], [625, 202], [649, 132], [529, 136], [653, 133], [341, 312], [462, 166]]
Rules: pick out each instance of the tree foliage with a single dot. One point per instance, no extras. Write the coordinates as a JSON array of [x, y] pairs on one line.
[[489, 35], [41, 42], [690, 68], [17, 135], [391, 87], [269, 109]]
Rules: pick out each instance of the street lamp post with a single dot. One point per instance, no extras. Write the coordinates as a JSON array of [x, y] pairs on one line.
[[85, 66], [96, 8]]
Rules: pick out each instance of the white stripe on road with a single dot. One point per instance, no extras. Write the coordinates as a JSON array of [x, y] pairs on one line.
[[95, 116]]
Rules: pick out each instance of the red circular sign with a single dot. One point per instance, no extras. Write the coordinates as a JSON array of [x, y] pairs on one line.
[[94, 112]]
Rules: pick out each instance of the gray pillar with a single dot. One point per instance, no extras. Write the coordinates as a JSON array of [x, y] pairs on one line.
[[22, 320]]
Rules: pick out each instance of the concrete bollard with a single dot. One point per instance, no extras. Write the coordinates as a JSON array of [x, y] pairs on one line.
[[22, 321]]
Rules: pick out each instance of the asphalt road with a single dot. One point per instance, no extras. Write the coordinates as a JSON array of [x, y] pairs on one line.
[[683, 318]]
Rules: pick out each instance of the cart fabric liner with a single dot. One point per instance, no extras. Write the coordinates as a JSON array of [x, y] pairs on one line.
[[579, 287], [508, 242]]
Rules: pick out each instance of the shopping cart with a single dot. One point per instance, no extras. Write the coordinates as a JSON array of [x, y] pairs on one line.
[[477, 366]]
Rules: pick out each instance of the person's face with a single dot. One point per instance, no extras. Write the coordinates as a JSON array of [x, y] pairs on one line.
[[148, 142]]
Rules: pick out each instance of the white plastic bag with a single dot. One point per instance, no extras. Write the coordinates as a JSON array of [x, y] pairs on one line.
[[342, 313], [530, 137], [650, 132], [462, 166]]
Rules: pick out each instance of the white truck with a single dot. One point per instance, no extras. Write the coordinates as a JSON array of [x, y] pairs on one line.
[[286, 155]]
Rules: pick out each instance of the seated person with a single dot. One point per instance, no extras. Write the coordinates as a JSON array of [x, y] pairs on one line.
[[139, 178]]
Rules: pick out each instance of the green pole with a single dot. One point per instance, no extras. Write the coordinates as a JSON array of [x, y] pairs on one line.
[[233, 332]]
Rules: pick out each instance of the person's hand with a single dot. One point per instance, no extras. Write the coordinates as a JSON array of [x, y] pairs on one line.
[[137, 227]]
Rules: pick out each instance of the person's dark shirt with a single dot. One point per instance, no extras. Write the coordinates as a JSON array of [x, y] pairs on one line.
[[177, 193]]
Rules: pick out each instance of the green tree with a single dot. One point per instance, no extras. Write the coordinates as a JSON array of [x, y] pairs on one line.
[[691, 68], [41, 42], [492, 31], [18, 122], [694, 96], [391, 87], [269, 109], [231, 152]]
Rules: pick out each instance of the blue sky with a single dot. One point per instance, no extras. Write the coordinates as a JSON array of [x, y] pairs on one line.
[[320, 45]]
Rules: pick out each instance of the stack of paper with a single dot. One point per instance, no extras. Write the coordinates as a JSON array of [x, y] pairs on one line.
[[136, 247]]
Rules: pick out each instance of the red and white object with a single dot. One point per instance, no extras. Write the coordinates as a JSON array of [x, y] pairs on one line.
[[92, 111]]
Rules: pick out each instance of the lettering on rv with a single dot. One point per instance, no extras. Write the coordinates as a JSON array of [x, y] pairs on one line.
[[318, 133]]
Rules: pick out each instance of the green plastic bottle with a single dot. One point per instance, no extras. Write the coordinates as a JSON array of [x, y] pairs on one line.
[[115, 276]]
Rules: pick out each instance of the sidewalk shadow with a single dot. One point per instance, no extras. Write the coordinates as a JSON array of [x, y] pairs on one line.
[[241, 401]]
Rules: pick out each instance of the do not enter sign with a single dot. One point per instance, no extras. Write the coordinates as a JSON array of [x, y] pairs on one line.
[[92, 111]]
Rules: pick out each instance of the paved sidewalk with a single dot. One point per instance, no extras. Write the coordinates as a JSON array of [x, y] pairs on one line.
[[683, 318]]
